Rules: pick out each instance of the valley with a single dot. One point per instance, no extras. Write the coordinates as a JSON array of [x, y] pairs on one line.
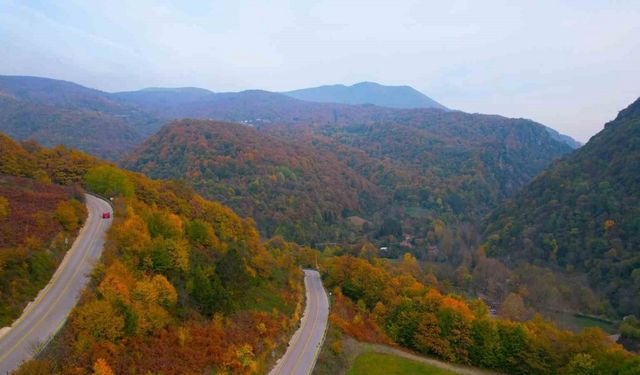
[[319, 187], [432, 228]]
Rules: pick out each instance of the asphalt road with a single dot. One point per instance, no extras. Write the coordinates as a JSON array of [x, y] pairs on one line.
[[47, 314], [304, 346]]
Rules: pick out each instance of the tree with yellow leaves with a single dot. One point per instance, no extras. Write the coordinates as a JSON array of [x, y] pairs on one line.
[[101, 367], [99, 319]]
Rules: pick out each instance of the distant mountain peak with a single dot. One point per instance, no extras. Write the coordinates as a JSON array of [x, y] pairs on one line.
[[194, 90], [367, 93]]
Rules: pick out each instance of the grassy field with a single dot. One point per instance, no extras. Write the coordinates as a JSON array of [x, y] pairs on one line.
[[387, 364], [343, 355]]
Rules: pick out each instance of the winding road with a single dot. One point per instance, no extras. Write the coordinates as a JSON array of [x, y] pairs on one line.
[[306, 343], [42, 318]]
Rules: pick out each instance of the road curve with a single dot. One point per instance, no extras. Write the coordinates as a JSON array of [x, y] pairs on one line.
[[305, 344], [46, 315]]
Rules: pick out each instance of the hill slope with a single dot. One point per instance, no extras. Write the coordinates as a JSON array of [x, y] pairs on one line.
[[434, 165], [367, 93], [395, 168], [35, 219], [93, 132], [182, 278], [289, 189], [583, 213]]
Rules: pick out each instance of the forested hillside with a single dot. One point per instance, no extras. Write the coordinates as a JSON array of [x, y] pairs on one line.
[[429, 164], [38, 218], [289, 189], [382, 302], [582, 214], [181, 278], [37, 221], [92, 132], [451, 165], [56, 112]]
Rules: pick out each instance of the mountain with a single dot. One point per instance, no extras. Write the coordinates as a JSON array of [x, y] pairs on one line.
[[58, 112], [429, 164], [367, 93], [111, 124], [58, 93], [289, 189], [315, 164], [582, 214], [244, 106], [158, 97], [94, 132], [435, 165], [422, 165], [263, 109]]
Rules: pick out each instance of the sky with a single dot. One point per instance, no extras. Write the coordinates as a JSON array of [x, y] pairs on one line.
[[571, 65]]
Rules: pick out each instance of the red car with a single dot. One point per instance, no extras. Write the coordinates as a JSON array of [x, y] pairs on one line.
[[106, 215]]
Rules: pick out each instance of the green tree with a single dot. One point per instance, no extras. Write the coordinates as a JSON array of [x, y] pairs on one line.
[[109, 181], [581, 364], [208, 293], [486, 344]]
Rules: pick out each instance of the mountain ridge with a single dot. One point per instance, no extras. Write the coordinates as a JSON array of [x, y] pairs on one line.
[[367, 93], [581, 214]]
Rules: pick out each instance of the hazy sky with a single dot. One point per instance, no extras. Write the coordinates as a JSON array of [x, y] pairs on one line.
[[568, 64]]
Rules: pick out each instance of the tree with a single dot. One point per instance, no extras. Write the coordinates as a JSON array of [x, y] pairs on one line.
[[101, 367], [132, 235], [513, 308], [4, 207], [232, 270], [486, 344], [208, 293], [581, 364], [100, 320], [513, 347], [109, 181], [454, 319], [35, 367], [165, 224], [428, 338], [201, 233], [631, 367], [409, 265], [390, 227], [67, 214]]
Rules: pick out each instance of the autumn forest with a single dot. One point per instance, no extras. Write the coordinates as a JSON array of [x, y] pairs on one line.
[[469, 239]]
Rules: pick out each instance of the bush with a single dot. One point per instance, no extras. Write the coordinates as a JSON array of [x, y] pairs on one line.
[[70, 214], [630, 328]]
